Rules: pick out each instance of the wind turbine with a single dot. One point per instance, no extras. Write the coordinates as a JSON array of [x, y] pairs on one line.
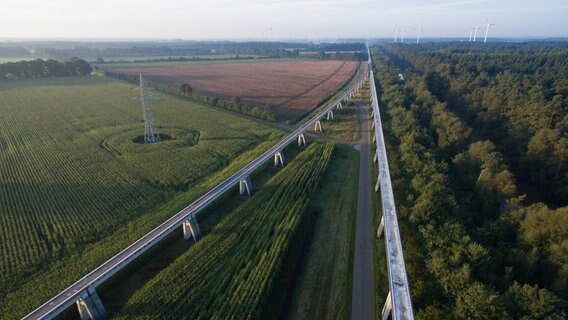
[[402, 38], [470, 34], [487, 29], [395, 33], [475, 33], [418, 32]]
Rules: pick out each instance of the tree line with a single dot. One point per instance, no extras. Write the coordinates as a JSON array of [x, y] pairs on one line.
[[475, 246], [44, 69], [339, 55], [14, 52]]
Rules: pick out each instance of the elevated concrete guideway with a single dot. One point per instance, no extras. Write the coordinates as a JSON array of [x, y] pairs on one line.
[[398, 300], [83, 291]]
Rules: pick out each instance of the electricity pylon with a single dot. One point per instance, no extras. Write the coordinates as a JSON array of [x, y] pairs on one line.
[[150, 134]]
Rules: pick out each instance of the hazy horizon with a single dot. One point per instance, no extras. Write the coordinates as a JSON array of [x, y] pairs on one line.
[[331, 39], [277, 19]]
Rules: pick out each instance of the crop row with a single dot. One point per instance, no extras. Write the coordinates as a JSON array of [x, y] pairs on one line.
[[52, 183], [230, 273], [63, 191]]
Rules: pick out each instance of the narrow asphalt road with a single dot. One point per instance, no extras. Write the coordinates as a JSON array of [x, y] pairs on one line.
[[362, 306]]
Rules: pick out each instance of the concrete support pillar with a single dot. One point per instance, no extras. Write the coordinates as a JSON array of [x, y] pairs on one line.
[[301, 140], [279, 159], [90, 306], [191, 229], [387, 308], [330, 115], [376, 157], [339, 106], [318, 126], [381, 227], [378, 184], [374, 138], [245, 186], [372, 124]]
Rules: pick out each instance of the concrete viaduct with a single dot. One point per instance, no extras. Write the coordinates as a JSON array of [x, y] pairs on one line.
[[398, 300]]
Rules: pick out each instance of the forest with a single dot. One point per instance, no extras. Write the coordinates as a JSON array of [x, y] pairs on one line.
[[479, 141], [44, 69]]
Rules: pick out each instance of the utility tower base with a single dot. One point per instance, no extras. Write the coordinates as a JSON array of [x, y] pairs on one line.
[[91, 307]]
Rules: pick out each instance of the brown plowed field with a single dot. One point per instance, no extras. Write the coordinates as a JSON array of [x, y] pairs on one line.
[[291, 87]]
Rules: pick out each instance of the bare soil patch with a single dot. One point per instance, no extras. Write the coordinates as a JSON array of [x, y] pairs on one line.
[[291, 87]]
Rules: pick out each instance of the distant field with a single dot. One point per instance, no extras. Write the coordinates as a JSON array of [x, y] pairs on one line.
[[140, 58], [71, 176], [291, 87], [148, 63]]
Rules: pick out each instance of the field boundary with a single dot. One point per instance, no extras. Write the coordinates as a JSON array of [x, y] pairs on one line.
[[265, 110], [325, 102]]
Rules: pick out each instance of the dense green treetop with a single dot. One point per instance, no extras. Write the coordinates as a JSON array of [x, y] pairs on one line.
[[44, 69]]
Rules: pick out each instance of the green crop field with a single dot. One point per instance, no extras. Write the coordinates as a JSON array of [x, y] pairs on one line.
[[233, 271], [322, 289], [74, 186]]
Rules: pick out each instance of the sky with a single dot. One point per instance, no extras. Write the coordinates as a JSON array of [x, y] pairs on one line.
[[277, 19]]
